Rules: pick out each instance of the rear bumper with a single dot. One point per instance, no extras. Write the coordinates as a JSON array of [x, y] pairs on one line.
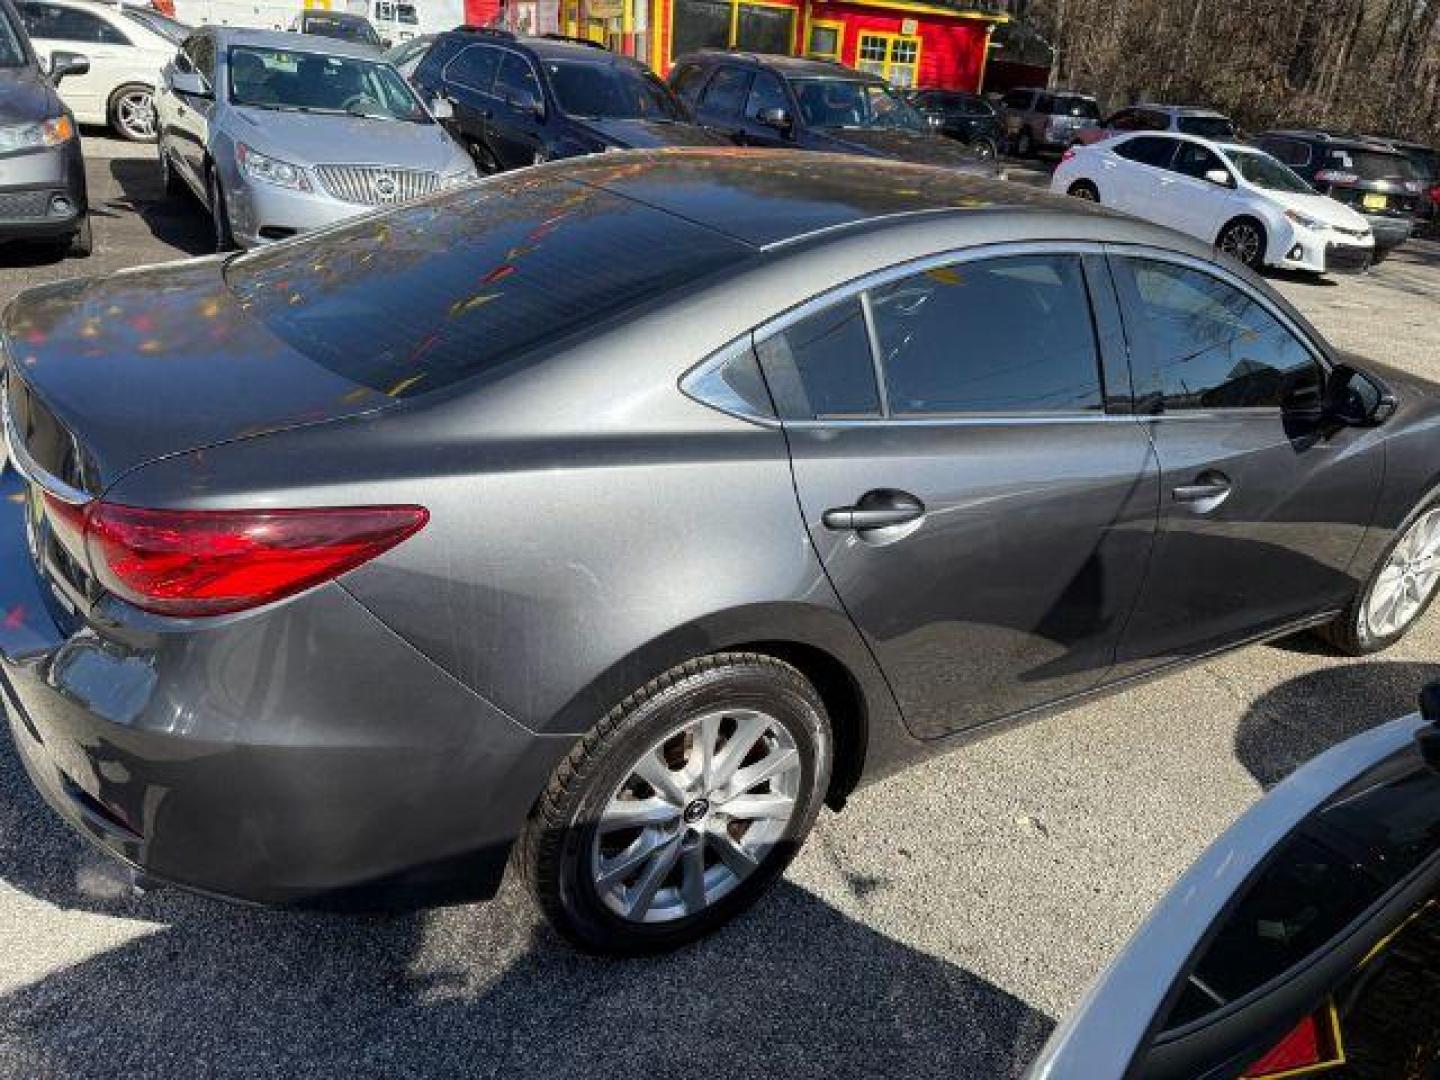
[[300, 755]]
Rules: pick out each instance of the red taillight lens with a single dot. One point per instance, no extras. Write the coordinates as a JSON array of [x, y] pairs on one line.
[[1314, 1043], [212, 562], [1068, 154], [1435, 194], [1336, 176]]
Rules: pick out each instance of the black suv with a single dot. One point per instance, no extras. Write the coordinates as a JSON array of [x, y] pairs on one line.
[[765, 100], [968, 118], [1426, 162], [517, 100], [1373, 179]]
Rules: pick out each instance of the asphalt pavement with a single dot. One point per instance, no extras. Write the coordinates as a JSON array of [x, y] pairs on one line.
[[939, 926]]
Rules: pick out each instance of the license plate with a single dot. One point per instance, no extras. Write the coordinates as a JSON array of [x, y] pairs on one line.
[[1375, 202]]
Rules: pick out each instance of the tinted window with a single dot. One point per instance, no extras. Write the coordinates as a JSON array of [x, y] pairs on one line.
[[1001, 335], [470, 282], [766, 92], [516, 82], [726, 92], [58, 23], [1204, 344], [1371, 164], [429, 72], [1207, 127], [1147, 151], [474, 68], [821, 366], [603, 88], [1290, 151], [1124, 120], [1152, 121], [686, 80], [1192, 159], [1074, 105]]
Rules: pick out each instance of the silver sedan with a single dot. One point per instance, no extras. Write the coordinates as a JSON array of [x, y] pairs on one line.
[[278, 133]]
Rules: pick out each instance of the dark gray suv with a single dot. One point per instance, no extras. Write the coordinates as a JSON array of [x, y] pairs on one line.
[[623, 511]]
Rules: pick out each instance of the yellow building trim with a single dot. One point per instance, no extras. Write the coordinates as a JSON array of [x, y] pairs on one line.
[[838, 25], [889, 64], [931, 9]]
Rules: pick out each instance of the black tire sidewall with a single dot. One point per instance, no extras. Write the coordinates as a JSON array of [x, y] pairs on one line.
[[791, 702]]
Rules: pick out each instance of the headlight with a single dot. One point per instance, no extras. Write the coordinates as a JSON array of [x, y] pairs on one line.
[[1305, 221], [29, 136], [269, 170]]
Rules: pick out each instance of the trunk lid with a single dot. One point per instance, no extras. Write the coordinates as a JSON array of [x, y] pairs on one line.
[[105, 376]]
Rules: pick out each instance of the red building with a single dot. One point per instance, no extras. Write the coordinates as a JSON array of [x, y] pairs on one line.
[[908, 42]]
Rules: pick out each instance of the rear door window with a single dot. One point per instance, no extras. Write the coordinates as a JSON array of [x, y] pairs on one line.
[[1202, 343], [993, 336], [1192, 159], [766, 92], [474, 69], [726, 93], [820, 367], [1148, 150], [516, 83], [686, 81]]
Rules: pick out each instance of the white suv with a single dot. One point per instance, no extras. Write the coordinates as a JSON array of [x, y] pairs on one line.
[[1236, 197], [125, 56]]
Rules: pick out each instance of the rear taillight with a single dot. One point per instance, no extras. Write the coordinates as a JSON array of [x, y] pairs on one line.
[[1312, 1044], [212, 562], [1335, 176], [1068, 154], [1435, 194]]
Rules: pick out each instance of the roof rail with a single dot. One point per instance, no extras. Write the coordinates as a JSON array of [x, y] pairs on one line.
[[575, 41], [488, 31]]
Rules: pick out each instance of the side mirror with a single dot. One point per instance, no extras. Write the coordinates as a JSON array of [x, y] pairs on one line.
[[1352, 397], [67, 63], [775, 117], [441, 109], [1221, 178], [189, 83]]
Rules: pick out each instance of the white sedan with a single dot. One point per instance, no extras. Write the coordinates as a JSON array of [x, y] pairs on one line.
[[1238, 198]]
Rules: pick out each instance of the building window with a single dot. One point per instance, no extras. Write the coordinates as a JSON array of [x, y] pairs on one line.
[[894, 56], [758, 26], [825, 40]]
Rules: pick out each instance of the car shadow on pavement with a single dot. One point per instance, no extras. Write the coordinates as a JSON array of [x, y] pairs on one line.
[[1299, 719], [180, 222], [795, 989]]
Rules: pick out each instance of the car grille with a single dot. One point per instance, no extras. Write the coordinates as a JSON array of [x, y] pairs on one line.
[[22, 205], [376, 185], [1347, 258]]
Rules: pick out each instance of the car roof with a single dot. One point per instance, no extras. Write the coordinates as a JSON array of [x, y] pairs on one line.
[[769, 199], [1179, 110], [292, 42], [789, 66], [1341, 142], [544, 46]]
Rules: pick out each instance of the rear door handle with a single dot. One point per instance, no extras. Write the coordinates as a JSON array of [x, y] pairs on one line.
[[879, 509], [1208, 485]]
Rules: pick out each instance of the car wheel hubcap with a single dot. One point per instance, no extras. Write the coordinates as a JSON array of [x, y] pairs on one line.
[[1407, 580], [137, 115], [1243, 243], [695, 815]]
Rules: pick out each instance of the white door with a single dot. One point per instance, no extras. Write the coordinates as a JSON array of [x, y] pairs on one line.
[[1140, 167], [1192, 203]]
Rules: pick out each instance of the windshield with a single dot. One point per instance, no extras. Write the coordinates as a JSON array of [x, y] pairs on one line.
[[1073, 105], [849, 103], [611, 90], [1371, 164], [170, 29], [1207, 127], [341, 29], [310, 82], [1266, 172], [12, 53]]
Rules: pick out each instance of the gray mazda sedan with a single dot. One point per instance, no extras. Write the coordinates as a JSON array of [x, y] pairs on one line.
[[616, 514]]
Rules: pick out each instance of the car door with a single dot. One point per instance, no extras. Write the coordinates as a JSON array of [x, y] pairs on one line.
[[468, 83], [1263, 504], [1135, 168], [1188, 200], [722, 102], [55, 26], [980, 512], [194, 113], [516, 127], [767, 91]]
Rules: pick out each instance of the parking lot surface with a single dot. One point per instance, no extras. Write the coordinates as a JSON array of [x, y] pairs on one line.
[[939, 926]]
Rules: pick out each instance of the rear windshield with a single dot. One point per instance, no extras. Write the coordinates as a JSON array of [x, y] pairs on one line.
[[469, 282], [1207, 127], [1071, 105], [1371, 164], [341, 28]]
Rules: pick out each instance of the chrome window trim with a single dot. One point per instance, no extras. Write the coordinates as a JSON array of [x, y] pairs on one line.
[[705, 385], [27, 466]]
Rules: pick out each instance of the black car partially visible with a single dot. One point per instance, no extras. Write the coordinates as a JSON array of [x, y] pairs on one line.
[[967, 118], [42, 173]]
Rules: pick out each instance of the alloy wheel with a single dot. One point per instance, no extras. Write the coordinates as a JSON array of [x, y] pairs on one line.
[[1242, 242], [695, 815], [135, 115], [1407, 580]]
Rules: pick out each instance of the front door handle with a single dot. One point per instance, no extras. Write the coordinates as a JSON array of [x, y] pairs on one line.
[[1208, 485], [879, 509]]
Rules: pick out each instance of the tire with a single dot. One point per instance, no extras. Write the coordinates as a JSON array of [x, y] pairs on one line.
[[1244, 240], [985, 149], [174, 186], [219, 216], [131, 112], [1024, 145], [579, 830], [1360, 629], [1084, 189], [82, 242]]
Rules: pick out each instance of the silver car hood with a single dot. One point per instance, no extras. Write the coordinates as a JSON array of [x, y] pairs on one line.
[[327, 139]]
